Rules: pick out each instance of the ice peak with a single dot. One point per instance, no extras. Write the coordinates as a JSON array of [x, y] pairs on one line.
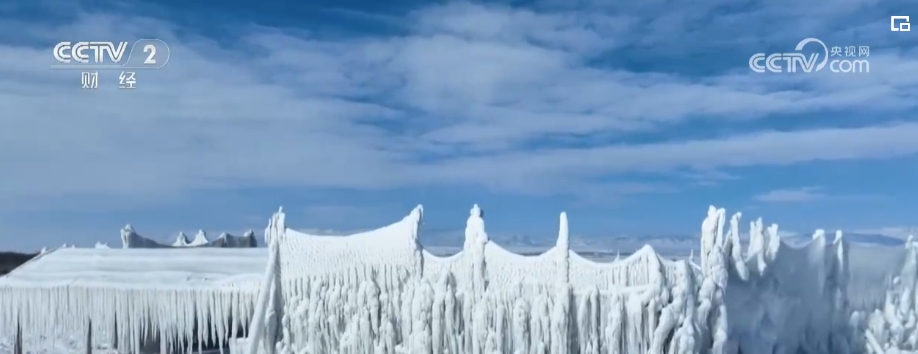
[[417, 213], [200, 238], [126, 233], [181, 240], [475, 228], [276, 226], [476, 211]]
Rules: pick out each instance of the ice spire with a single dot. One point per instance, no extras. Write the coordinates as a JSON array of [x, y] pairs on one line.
[[563, 246], [417, 216], [733, 244], [181, 240], [563, 233], [474, 228], [475, 240], [126, 232], [199, 239], [276, 226]]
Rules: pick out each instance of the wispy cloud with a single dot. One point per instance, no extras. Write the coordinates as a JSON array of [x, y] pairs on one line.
[[808, 194], [804, 194]]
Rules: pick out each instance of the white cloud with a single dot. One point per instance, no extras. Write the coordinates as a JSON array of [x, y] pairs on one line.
[[466, 89], [804, 194], [808, 194]]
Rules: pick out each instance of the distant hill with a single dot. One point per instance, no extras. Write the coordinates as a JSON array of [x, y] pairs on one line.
[[11, 260]]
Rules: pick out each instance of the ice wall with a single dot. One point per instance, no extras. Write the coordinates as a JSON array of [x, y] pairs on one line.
[[131, 298], [786, 300], [380, 292], [892, 326]]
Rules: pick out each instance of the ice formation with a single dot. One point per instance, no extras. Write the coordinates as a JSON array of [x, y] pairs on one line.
[[787, 300], [132, 297], [130, 239], [181, 240], [199, 239], [381, 292], [891, 327]]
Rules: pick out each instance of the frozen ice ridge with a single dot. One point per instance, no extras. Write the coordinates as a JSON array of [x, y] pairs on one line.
[[398, 298], [380, 292]]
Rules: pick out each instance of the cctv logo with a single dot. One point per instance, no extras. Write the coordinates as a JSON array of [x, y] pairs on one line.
[[788, 62], [904, 25], [64, 52]]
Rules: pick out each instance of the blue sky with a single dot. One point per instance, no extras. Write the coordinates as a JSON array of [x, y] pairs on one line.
[[632, 117]]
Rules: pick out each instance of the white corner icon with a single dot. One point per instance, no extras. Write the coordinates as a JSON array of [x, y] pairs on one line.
[[904, 25]]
